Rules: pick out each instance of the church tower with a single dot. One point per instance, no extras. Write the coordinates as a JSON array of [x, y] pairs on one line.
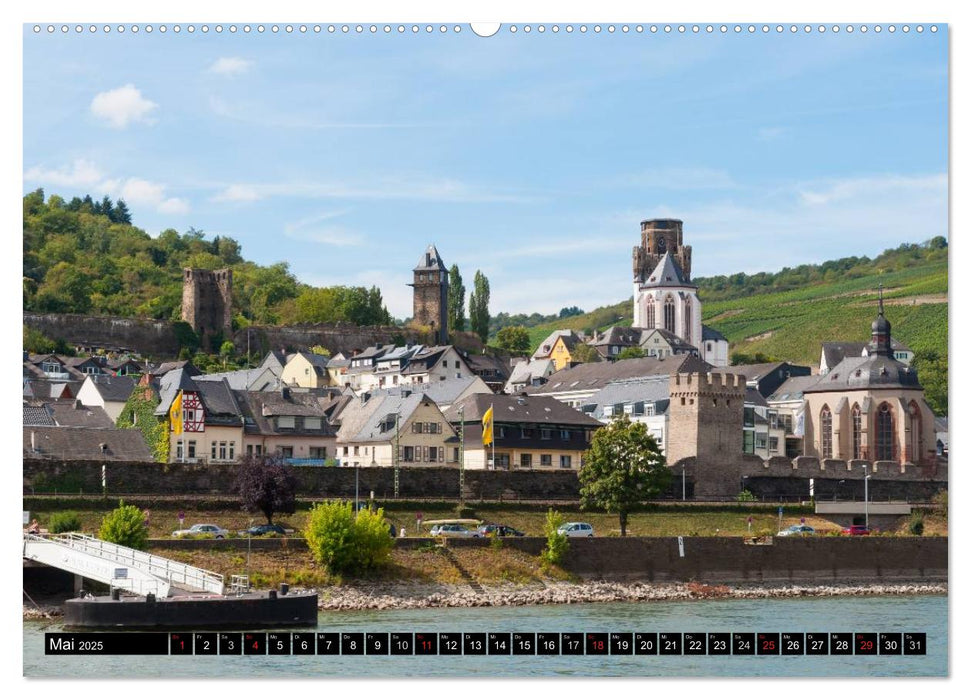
[[431, 294], [664, 296]]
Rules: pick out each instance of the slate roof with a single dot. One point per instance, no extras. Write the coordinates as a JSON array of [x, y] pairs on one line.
[[793, 388], [525, 371], [489, 367], [112, 388], [37, 415], [72, 414], [873, 372], [256, 379], [596, 375], [425, 360], [677, 343], [441, 392], [667, 273], [709, 333], [258, 407], [51, 388], [85, 444], [190, 369], [752, 396], [622, 336], [654, 389], [169, 386], [431, 260], [519, 409], [361, 420], [221, 406], [836, 352], [546, 347], [755, 372]]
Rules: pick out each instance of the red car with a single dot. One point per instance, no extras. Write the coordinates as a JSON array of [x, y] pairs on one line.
[[856, 530]]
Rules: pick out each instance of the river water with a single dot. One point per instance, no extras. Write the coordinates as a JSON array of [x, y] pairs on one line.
[[927, 614]]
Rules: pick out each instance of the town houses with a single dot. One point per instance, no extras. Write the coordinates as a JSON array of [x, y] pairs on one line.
[[412, 403]]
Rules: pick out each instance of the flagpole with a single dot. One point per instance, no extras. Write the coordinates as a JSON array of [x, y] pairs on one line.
[[492, 410]]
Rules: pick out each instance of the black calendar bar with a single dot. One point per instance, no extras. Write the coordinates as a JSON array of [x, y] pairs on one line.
[[629, 644]]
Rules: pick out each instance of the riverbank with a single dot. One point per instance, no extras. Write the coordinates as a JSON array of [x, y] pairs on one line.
[[410, 596]]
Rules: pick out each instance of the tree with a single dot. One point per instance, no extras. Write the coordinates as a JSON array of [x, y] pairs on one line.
[[514, 340], [122, 214], [479, 306], [568, 311], [931, 369], [125, 525], [456, 299], [582, 352], [630, 353], [266, 484], [623, 468], [345, 542]]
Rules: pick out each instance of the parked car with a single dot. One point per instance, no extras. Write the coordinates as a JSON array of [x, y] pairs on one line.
[[802, 530], [499, 531], [203, 530], [260, 530], [576, 529], [856, 530], [453, 531]]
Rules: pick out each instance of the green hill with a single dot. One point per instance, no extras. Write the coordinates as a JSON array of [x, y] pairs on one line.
[[786, 315]]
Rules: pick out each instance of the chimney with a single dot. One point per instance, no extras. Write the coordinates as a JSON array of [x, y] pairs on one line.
[[78, 405], [33, 441], [285, 392]]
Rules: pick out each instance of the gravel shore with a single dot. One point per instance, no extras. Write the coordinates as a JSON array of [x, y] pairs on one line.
[[402, 596], [409, 596]]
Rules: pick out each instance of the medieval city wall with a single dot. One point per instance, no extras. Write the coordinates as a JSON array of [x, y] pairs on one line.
[[149, 337]]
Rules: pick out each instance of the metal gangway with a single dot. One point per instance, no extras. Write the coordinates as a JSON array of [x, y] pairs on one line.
[[120, 567]]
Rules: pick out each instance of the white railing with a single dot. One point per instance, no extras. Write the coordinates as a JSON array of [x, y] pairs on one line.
[[173, 572]]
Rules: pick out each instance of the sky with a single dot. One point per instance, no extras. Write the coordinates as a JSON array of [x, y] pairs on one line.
[[532, 157]]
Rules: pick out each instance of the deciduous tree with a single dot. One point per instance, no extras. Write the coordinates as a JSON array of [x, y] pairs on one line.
[[266, 484], [456, 299], [623, 468], [514, 340]]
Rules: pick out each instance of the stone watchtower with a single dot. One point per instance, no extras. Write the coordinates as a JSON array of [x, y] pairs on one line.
[[207, 302], [706, 413], [431, 294], [660, 236]]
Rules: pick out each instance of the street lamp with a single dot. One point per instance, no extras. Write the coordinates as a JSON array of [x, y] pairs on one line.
[[866, 500]]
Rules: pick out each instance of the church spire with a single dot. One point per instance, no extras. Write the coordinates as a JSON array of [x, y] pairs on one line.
[[880, 332]]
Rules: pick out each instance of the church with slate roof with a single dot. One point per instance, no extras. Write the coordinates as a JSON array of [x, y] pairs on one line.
[[664, 297]]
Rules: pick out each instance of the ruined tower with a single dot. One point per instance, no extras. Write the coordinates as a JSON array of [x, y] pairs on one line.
[[207, 302], [431, 294]]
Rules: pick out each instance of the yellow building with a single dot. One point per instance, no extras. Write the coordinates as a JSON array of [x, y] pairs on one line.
[[307, 370]]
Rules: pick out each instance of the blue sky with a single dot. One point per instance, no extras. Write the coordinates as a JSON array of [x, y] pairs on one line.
[[532, 157]]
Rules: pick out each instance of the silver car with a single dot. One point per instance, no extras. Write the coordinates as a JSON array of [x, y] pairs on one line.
[[448, 530], [794, 530], [576, 529], [203, 530]]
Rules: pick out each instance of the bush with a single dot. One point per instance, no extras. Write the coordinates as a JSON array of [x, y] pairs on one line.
[[940, 500], [345, 543], [125, 525], [916, 524], [745, 496], [557, 543], [67, 521]]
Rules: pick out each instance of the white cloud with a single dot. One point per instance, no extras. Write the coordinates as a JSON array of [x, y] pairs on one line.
[[828, 192], [239, 193], [138, 191], [314, 219], [122, 106], [230, 65], [173, 205], [81, 173]]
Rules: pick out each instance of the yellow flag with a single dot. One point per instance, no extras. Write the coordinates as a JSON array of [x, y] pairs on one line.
[[487, 427], [175, 414]]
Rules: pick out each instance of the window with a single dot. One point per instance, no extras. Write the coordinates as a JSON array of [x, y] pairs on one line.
[[311, 423], [455, 454], [749, 417], [345, 450], [628, 408], [564, 434], [178, 450], [409, 454], [649, 408], [526, 461], [760, 441], [502, 460], [669, 313], [773, 444], [787, 422], [545, 433], [191, 452], [650, 313], [222, 450], [826, 432], [318, 453], [638, 409], [566, 461], [213, 447], [608, 411], [286, 451], [525, 432], [748, 441], [857, 432], [502, 431], [285, 422], [232, 451], [884, 432], [687, 320], [546, 460], [416, 427]]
